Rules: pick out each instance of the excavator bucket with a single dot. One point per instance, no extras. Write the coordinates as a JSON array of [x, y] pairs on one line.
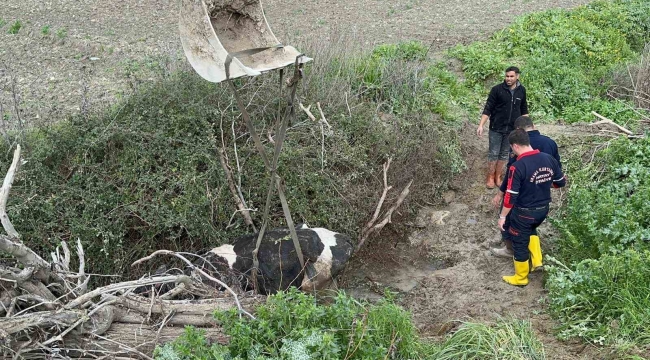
[[217, 32]]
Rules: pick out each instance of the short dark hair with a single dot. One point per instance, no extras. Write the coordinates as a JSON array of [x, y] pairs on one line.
[[513, 68], [523, 122], [519, 137]]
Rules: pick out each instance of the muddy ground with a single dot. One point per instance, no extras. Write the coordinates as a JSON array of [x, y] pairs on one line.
[[73, 54], [443, 269]]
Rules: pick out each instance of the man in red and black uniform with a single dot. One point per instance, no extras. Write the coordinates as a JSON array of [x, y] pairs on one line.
[[546, 145], [527, 198]]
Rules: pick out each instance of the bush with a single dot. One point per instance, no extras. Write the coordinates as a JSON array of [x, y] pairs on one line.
[[566, 56], [145, 174], [507, 339], [293, 325], [607, 211], [605, 300]]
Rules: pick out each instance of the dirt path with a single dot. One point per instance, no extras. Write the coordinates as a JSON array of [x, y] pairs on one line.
[[445, 272]]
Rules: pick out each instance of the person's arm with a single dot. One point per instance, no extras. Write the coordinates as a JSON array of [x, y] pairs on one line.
[[559, 179], [556, 154], [487, 111], [512, 192], [498, 197], [524, 104]]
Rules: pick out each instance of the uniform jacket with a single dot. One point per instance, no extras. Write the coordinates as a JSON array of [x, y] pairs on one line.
[[530, 180]]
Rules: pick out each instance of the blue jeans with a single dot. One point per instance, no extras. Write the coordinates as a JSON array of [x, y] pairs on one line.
[[499, 147]]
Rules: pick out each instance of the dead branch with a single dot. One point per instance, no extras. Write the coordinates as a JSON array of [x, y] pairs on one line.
[[81, 300], [323, 119], [307, 111], [372, 226], [4, 195], [233, 189], [22, 253], [605, 120], [222, 284]]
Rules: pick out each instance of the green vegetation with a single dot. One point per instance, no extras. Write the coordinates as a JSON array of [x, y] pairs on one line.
[[3, 22], [15, 27], [513, 339], [607, 211], [602, 293], [145, 174], [293, 325], [62, 33], [45, 30], [566, 57], [604, 300]]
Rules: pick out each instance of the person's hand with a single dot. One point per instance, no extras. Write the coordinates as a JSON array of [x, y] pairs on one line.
[[479, 131], [502, 222], [496, 200]]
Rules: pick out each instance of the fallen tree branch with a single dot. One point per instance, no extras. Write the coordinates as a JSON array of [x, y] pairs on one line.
[[81, 300], [4, 195], [373, 227], [22, 253], [605, 120], [195, 268]]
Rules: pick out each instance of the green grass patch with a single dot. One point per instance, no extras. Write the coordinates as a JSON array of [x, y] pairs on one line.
[[506, 339], [15, 27]]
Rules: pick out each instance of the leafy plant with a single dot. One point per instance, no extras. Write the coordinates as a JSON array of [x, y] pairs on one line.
[[607, 210], [605, 300], [293, 325], [62, 33], [45, 30], [566, 56]]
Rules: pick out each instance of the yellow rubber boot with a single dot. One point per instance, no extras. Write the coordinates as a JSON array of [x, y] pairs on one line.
[[535, 249], [520, 278]]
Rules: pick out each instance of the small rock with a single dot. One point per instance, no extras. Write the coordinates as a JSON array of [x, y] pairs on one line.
[[449, 196]]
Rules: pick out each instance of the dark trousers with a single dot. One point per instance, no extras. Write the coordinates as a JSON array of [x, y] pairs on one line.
[[498, 146], [520, 225]]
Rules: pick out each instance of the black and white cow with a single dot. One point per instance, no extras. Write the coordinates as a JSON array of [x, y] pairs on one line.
[[325, 253]]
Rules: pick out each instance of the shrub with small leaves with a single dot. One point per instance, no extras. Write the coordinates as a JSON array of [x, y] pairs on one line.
[[295, 326]]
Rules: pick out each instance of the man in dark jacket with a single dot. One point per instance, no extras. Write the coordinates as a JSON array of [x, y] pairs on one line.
[[545, 145], [527, 199], [506, 102]]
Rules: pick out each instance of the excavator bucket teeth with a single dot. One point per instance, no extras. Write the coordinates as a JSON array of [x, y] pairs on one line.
[[211, 30]]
